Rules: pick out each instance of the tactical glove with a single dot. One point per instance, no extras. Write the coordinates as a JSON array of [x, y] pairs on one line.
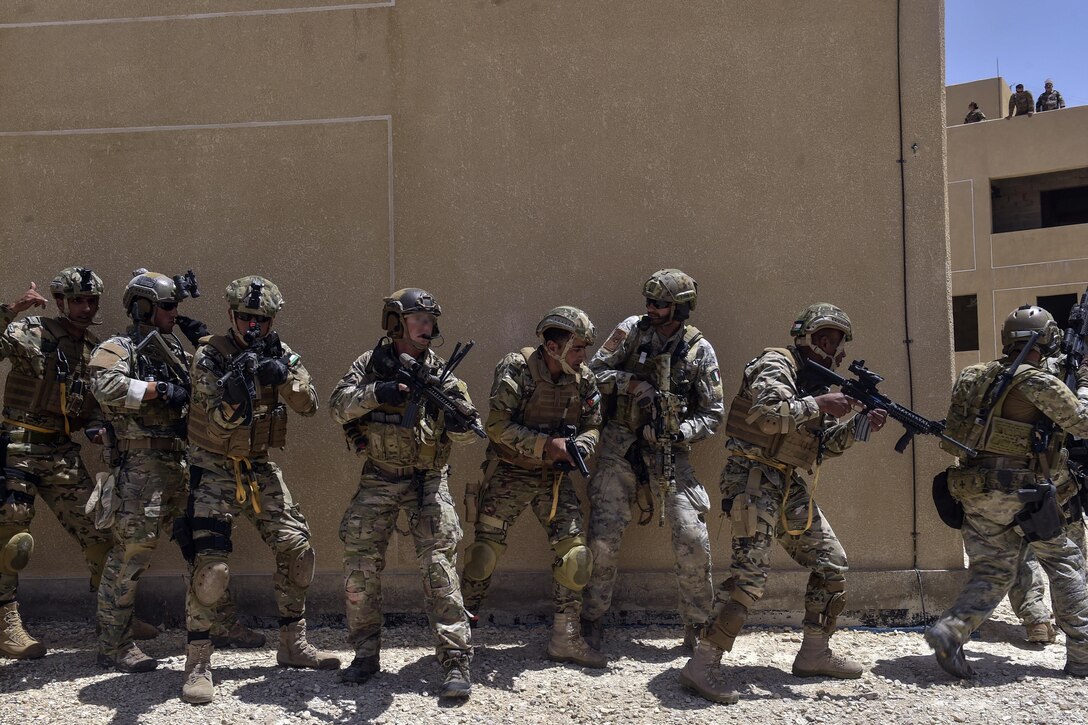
[[234, 391], [389, 393], [272, 371], [192, 329], [173, 394], [454, 425]]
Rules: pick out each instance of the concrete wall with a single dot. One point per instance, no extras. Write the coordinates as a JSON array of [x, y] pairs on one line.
[[1009, 269], [508, 156], [992, 96]]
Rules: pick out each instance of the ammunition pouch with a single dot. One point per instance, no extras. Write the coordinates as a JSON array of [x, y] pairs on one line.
[[1041, 518], [799, 448], [949, 509]]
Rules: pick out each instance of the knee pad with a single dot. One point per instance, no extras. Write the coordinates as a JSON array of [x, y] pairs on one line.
[[826, 617], [15, 553], [726, 626], [301, 569], [481, 558], [573, 563], [210, 582]]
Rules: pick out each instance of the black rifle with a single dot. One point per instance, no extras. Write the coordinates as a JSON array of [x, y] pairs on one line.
[[864, 390], [242, 369], [570, 432], [423, 383], [1074, 348], [169, 370]]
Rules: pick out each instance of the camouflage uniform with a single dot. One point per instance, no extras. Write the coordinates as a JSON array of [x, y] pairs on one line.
[[516, 474], [403, 469], [974, 116], [986, 486], [1050, 101], [1021, 103], [40, 414], [637, 352]]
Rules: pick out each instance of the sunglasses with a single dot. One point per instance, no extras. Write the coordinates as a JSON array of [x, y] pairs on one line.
[[247, 317], [167, 305], [657, 304]]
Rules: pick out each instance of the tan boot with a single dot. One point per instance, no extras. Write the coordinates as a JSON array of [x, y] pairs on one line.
[[296, 651], [239, 636], [567, 644], [700, 675], [14, 640], [130, 659], [1041, 633], [815, 658], [198, 688], [142, 630]]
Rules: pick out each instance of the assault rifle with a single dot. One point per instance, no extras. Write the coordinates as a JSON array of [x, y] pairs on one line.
[[864, 390], [171, 370], [1074, 348], [242, 372], [425, 386], [570, 432], [668, 409]]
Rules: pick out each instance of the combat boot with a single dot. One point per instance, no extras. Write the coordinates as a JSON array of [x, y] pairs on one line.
[[240, 637], [692, 633], [700, 675], [361, 669], [131, 659], [1041, 633], [949, 651], [142, 630], [567, 644], [1076, 669], [296, 651], [457, 684], [198, 688], [592, 633], [14, 640], [816, 659]]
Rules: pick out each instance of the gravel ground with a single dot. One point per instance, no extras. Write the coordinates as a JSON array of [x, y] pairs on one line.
[[1017, 682]]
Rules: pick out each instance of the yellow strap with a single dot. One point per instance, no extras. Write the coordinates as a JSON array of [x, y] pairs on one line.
[[786, 471], [239, 488], [28, 426], [64, 408], [555, 494]]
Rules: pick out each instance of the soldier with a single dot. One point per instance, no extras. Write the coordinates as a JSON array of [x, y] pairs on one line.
[[660, 380], [45, 401], [1021, 103], [974, 114], [540, 400], [1015, 419], [779, 430], [141, 380], [404, 467], [241, 383], [1049, 99]]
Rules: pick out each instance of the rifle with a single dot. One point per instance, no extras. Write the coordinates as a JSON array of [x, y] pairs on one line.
[[172, 370], [243, 368], [668, 408], [424, 384], [864, 390], [1074, 347]]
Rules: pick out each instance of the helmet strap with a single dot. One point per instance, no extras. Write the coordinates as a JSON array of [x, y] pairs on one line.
[[561, 356]]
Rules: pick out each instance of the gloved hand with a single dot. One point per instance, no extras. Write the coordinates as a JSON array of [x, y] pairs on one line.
[[192, 329], [272, 371], [453, 425], [234, 391], [389, 393], [173, 394], [642, 392]]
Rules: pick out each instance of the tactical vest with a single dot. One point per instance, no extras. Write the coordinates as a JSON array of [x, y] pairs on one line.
[[994, 434], [61, 399], [387, 442], [643, 367], [546, 407], [799, 447], [268, 429], [152, 413]]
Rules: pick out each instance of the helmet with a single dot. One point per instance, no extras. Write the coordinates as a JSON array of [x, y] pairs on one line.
[[147, 289], [76, 282], [671, 285], [405, 302], [1025, 320], [255, 295], [817, 317], [570, 319]]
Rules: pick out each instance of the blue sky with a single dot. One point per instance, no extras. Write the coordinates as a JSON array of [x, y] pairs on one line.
[[1031, 39]]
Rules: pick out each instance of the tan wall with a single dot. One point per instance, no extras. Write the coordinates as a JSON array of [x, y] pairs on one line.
[[992, 96], [508, 157], [1013, 268]]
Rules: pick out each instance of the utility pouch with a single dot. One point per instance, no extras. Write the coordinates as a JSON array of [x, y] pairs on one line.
[[277, 428], [949, 509], [1041, 518], [103, 503]]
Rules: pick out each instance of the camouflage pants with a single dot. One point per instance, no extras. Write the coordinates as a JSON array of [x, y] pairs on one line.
[[504, 497], [281, 525], [612, 491], [366, 528], [151, 493], [1028, 592], [994, 546], [65, 487], [817, 548]]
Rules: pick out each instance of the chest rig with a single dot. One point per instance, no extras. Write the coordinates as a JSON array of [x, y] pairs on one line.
[[685, 355]]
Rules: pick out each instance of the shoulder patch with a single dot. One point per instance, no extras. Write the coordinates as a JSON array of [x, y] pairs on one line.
[[616, 339], [716, 376], [593, 401]]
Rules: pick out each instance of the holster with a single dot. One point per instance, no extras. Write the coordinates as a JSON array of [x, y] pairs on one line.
[[1041, 517], [743, 514], [948, 508]]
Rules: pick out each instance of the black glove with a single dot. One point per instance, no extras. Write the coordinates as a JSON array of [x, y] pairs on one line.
[[272, 371], [172, 394], [192, 329], [234, 390], [456, 425], [389, 393]]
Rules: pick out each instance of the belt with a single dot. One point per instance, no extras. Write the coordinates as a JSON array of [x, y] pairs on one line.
[[157, 444], [996, 462], [394, 473], [21, 434]]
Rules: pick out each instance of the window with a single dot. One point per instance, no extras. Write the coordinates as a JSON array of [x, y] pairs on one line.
[[965, 323], [1064, 206], [1040, 201], [1059, 306]]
